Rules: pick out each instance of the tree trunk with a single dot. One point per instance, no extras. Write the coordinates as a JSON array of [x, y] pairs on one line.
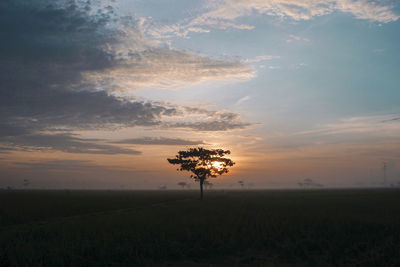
[[201, 188]]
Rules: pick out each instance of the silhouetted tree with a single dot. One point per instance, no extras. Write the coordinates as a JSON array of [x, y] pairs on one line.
[[309, 183], [208, 185], [183, 184], [203, 163], [26, 183], [241, 183]]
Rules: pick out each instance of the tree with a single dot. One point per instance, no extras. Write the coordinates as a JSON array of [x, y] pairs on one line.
[[309, 183], [183, 184], [203, 163], [26, 182], [208, 185], [241, 183]]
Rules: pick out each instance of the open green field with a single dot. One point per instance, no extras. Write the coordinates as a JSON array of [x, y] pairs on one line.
[[175, 228]]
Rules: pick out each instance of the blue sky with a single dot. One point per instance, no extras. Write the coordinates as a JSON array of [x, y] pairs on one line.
[[296, 89]]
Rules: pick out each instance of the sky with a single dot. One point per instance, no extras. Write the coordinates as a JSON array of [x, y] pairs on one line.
[[98, 94]]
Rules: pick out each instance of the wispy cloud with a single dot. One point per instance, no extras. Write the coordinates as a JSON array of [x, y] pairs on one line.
[[207, 126], [259, 59], [243, 99], [64, 143], [391, 119], [378, 50], [299, 65], [362, 136], [274, 67], [201, 119], [223, 14], [166, 68], [295, 38], [370, 125]]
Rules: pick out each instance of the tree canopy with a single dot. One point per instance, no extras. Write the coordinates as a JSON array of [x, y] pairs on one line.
[[203, 163]]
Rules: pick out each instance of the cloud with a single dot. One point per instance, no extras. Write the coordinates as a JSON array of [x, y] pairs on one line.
[[183, 29], [378, 50], [64, 64], [211, 114], [365, 136], [299, 65], [53, 109], [223, 14], [3, 150], [296, 38], [44, 53], [260, 58], [200, 119], [166, 68], [391, 120], [381, 11], [207, 126], [159, 141], [243, 99], [369, 125], [65, 143]]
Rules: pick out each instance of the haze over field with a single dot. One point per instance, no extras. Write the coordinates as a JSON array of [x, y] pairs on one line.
[[98, 94]]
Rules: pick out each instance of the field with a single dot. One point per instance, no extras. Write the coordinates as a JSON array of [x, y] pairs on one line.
[[175, 228]]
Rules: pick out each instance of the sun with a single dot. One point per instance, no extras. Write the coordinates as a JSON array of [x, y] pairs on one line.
[[217, 164]]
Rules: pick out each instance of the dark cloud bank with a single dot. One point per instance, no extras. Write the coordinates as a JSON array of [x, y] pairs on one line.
[[45, 49], [65, 143], [159, 141]]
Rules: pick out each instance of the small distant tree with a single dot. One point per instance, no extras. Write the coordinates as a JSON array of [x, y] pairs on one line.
[[208, 184], [183, 184], [203, 163], [241, 183], [309, 183], [26, 183]]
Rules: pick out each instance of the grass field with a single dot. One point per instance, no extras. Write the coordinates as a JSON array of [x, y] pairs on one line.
[[175, 228]]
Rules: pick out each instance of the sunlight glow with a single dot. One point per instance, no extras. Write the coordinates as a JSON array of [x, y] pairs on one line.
[[217, 164]]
